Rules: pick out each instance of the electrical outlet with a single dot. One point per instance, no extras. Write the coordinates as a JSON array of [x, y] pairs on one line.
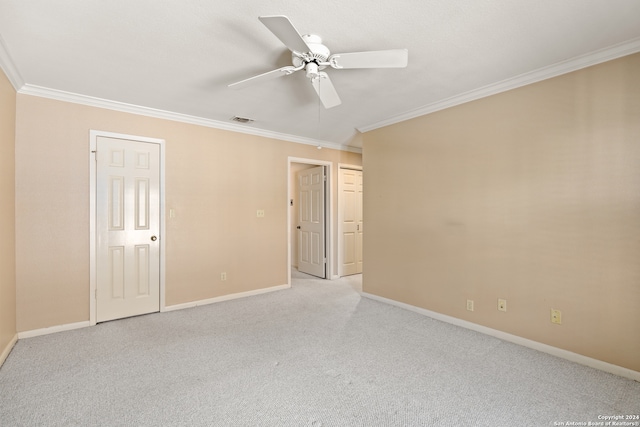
[[260, 213], [556, 316], [223, 276], [502, 304], [470, 304]]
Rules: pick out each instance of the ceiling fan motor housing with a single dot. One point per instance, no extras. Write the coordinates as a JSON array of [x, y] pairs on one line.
[[319, 53]]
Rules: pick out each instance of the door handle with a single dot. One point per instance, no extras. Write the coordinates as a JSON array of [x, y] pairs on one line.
[[154, 238], [298, 227]]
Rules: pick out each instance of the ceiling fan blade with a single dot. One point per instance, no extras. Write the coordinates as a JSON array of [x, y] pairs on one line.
[[325, 90], [283, 29], [394, 58], [264, 77]]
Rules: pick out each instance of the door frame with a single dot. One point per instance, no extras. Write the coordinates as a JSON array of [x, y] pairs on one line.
[[339, 198], [328, 214], [93, 241]]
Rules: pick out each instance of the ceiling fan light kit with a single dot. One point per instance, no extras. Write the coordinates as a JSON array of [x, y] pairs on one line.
[[308, 53]]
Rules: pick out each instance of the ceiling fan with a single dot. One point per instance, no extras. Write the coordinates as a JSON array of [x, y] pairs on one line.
[[308, 53]]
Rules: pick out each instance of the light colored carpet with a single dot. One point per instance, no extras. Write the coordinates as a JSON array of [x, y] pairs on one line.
[[315, 355]]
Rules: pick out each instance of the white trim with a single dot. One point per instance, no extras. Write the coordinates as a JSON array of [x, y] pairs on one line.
[[329, 214], [53, 329], [564, 67], [339, 198], [93, 138], [163, 226], [349, 166], [9, 67], [554, 351], [7, 350], [226, 298], [59, 95], [79, 325]]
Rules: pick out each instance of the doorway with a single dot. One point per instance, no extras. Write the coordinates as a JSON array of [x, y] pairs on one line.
[[311, 224], [296, 165], [350, 220]]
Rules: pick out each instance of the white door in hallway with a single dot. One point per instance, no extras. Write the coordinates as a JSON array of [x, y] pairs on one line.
[[127, 227], [352, 225], [311, 221]]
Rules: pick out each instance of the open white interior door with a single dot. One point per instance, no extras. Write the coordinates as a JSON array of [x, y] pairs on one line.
[[311, 221], [128, 228]]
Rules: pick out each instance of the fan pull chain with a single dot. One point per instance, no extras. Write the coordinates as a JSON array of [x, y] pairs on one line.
[[319, 106]]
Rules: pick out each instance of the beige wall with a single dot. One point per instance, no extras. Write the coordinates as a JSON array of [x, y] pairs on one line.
[[532, 195], [7, 216], [215, 182]]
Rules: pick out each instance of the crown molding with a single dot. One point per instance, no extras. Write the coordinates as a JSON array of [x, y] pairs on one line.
[[564, 67], [59, 95], [9, 67]]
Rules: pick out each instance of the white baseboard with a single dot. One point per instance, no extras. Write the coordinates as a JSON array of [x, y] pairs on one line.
[[53, 329], [554, 351], [7, 349], [225, 298], [78, 325]]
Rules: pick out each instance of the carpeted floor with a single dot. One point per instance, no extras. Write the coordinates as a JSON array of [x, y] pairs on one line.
[[315, 355]]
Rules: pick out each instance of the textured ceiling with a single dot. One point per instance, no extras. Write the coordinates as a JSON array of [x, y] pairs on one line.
[[179, 56]]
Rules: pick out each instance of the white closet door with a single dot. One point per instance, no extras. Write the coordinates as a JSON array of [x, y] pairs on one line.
[[128, 225]]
